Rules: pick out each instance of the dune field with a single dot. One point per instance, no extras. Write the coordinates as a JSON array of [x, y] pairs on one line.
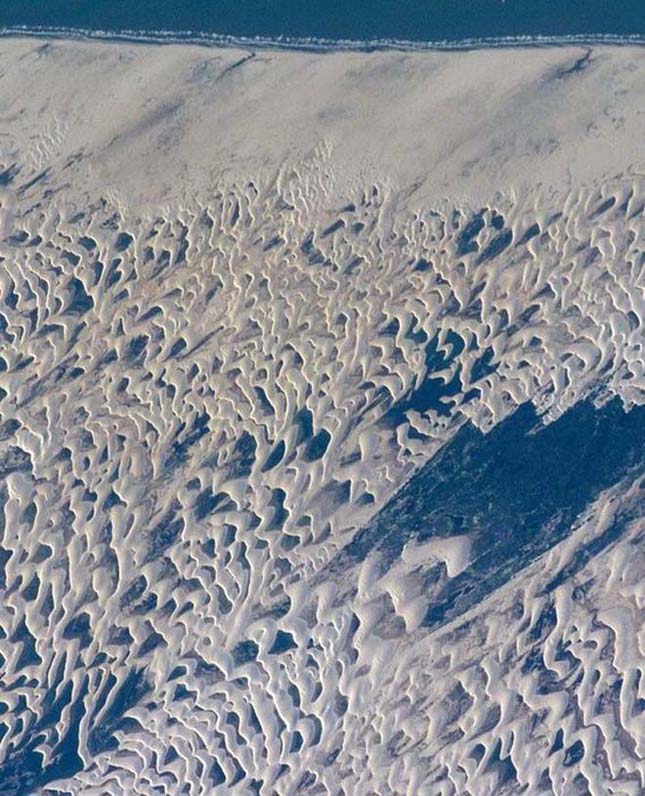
[[321, 421]]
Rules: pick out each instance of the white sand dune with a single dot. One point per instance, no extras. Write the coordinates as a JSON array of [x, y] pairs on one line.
[[244, 298]]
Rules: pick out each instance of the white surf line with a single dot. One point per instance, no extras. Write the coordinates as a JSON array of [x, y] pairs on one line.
[[317, 44]]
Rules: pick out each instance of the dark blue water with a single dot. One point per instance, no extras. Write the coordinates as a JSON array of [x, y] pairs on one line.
[[517, 492], [420, 21]]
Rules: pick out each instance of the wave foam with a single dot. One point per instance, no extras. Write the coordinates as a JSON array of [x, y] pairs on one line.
[[317, 44]]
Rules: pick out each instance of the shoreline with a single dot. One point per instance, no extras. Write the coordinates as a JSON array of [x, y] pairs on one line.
[[319, 45]]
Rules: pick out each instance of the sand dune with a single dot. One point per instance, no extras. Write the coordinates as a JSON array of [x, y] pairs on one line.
[[255, 309]]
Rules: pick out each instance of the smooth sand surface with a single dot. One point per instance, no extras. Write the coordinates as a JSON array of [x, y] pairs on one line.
[[160, 122]]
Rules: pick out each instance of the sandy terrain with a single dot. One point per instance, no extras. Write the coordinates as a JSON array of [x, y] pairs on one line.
[[248, 301]]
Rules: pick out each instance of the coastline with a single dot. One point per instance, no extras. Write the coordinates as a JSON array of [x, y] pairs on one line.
[[316, 44]]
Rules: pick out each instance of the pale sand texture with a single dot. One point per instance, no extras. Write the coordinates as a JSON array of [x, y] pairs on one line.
[[221, 278], [154, 123]]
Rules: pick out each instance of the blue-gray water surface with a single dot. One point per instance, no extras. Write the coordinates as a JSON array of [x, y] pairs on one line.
[[359, 21]]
